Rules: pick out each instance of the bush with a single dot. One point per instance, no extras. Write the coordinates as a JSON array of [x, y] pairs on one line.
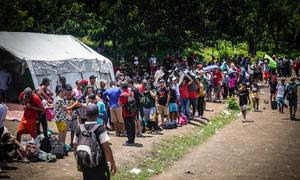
[[232, 104]]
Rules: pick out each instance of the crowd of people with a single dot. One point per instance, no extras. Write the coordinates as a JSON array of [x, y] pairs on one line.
[[132, 106]]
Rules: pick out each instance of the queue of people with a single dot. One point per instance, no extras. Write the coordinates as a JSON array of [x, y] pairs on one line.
[[132, 107]]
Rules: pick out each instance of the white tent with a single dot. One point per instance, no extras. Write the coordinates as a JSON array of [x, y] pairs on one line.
[[48, 55]]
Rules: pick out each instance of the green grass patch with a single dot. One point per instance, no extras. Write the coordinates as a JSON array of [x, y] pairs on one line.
[[173, 149]]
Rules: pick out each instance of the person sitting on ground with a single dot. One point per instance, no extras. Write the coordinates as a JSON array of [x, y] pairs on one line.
[[11, 148], [244, 98], [32, 106], [101, 171]]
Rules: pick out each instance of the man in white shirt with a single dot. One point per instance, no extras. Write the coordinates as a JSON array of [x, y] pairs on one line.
[[5, 80], [101, 170]]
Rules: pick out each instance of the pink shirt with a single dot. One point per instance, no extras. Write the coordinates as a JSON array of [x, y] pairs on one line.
[[77, 93], [232, 82]]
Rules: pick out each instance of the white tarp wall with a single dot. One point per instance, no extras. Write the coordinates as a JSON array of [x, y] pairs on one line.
[[50, 55]]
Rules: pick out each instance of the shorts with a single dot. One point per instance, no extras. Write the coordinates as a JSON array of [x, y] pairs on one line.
[[116, 115], [149, 113], [266, 75], [62, 126], [27, 127], [293, 102], [72, 125], [244, 107], [254, 95], [173, 107], [163, 110], [280, 101], [217, 89]]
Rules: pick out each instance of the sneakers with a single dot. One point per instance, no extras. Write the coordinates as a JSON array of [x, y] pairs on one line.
[[139, 135], [128, 144]]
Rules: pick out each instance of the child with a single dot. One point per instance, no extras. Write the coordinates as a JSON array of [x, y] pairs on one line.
[[255, 95], [244, 98]]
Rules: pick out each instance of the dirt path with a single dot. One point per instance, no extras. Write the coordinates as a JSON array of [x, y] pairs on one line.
[[125, 156], [267, 148]]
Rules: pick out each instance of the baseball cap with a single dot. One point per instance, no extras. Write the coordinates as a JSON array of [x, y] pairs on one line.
[[92, 110]]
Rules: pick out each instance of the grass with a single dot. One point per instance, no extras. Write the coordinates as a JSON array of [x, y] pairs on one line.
[[173, 149]]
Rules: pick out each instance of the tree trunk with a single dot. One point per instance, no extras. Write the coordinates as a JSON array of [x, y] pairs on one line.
[[252, 47]]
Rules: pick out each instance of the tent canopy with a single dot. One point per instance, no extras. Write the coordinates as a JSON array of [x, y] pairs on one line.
[[49, 55]]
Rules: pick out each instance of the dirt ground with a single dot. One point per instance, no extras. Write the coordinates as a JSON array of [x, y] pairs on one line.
[[124, 156], [266, 148]]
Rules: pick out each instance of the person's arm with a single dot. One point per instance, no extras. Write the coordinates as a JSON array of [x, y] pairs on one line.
[[248, 96], [153, 95], [109, 157], [190, 80], [168, 98]]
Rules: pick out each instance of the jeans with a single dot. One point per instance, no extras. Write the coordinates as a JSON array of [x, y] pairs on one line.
[[130, 128], [185, 107]]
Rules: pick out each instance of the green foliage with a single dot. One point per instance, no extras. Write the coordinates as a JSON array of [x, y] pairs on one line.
[[173, 149], [142, 28], [232, 104]]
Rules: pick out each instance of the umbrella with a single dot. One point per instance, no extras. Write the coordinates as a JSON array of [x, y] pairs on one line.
[[210, 68]]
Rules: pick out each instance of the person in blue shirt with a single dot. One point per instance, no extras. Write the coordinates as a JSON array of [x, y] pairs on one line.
[[113, 94], [102, 113], [92, 99]]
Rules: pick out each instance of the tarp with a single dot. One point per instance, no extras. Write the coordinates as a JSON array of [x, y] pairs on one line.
[[49, 55], [272, 63]]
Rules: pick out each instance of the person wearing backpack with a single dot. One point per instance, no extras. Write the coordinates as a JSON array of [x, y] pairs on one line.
[[129, 109], [291, 94], [91, 148]]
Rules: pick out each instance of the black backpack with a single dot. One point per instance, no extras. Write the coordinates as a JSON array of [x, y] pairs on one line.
[[88, 152], [131, 105]]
